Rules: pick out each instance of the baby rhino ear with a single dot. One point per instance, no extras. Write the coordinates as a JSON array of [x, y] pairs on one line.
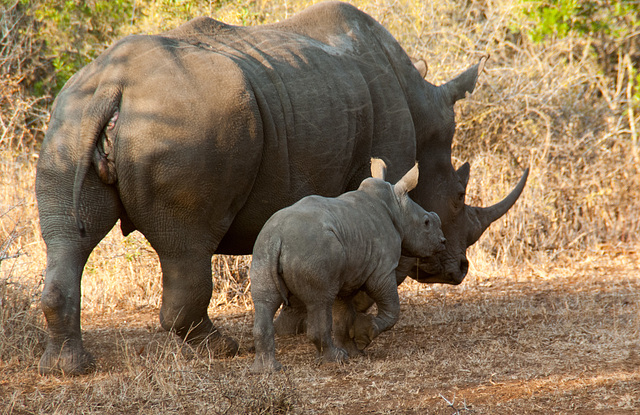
[[408, 182], [378, 169]]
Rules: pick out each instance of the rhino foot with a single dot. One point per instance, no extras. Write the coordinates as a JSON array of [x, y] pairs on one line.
[[218, 345], [364, 330], [334, 355], [265, 366], [349, 346], [353, 350], [71, 359]]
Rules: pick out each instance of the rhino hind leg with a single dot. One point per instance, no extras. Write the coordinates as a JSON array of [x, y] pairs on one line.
[[187, 289], [265, 306], [60, 302], [65, 353], [67, 253], [319, 323], [344, 317], [69, 359], [292, 318]]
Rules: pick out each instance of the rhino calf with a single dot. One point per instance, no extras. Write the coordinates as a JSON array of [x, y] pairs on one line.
[[322, 249]]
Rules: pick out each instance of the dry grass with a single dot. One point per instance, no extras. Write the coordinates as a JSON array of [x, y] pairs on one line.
[[547, 321]]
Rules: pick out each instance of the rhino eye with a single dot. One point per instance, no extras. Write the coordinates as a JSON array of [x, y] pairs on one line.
[[458, 201], [426, 222]]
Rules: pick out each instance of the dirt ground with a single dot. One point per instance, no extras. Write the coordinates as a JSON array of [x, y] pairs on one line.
[[564, 340]]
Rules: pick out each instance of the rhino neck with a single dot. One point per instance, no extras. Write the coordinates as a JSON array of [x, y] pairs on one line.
[[383, 199], [435, 126]]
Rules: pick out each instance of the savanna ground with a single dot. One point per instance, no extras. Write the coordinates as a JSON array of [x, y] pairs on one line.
[[548, 319]]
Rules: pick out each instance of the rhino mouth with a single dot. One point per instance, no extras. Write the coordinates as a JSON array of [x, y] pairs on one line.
[[430, 272]]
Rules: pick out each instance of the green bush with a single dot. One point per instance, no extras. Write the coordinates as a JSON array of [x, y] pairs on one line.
[[616, 19], [610, 28], [75, 32]]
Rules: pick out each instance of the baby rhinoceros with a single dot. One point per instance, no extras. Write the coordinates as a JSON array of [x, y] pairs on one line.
[[320, 249]]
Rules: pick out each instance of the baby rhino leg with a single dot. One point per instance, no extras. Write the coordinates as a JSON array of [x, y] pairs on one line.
[[384, 291], [292, 318], [319, 321], [263, 335], [266, 299], [344, 317]]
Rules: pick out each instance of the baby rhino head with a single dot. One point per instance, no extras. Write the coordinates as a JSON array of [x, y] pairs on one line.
[[421, 230], [423, 233]]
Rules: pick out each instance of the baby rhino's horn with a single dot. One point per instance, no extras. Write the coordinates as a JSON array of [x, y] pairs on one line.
[[408, 182]]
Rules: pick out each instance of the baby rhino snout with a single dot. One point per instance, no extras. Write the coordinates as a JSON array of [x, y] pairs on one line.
[[432, 220]]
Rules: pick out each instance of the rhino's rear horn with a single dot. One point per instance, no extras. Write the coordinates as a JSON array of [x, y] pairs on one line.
[[486, 216]]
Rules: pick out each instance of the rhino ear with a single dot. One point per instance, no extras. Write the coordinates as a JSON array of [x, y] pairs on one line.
[[378, 168], [457, 88], [408, 182], [463, 174], [422, 67]]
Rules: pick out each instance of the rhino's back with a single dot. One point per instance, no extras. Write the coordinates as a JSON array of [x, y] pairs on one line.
[[355, 222], [331, 85]]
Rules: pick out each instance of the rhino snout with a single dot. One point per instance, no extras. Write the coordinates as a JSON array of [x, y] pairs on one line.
[[443, 245], [457, 271]]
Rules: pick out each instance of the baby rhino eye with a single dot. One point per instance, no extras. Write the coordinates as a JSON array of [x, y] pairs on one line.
[[426, 222]]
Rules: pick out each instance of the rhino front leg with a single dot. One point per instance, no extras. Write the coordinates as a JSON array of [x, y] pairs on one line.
[[385, 294], [186, 293], [362, 302]]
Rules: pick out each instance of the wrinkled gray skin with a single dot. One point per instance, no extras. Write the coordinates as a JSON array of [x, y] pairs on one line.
[[196, 136], [322, 248]]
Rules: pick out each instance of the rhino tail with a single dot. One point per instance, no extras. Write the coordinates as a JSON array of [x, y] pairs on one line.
[[276, 272], [100, 110]]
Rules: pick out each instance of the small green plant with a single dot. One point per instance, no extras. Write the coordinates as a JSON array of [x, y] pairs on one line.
[[617, 19], [611, 28]]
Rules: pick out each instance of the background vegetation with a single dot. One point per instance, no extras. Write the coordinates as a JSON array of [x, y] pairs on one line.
[[560, 94]]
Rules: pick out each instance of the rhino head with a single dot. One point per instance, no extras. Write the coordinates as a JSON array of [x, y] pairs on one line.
[[421, 230], [442, 188]]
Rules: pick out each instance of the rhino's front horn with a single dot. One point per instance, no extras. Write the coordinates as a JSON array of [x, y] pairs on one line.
[[486, 216]]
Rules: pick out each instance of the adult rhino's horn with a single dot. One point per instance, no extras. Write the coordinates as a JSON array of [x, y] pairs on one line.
[[486, 216], [457, 88]]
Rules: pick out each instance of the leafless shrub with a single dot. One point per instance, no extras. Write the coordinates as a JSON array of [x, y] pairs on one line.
[[21, 331], [22, 117]]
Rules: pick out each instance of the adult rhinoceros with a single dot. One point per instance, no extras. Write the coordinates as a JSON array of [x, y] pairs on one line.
[[196, 136]]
